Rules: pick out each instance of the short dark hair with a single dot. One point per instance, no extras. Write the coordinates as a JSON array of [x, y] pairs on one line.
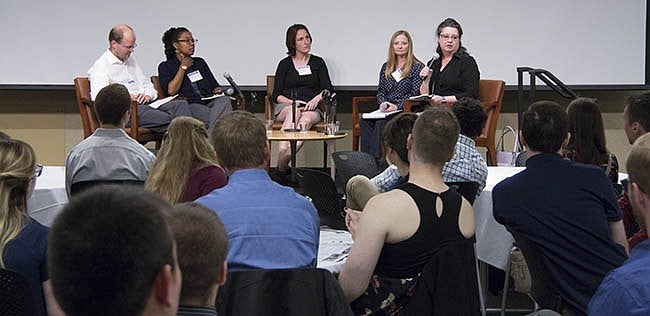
[[170, 37], [117, 33], [545, 126], [434, 135], [106, 249], [4, 136], [291, 37], [471, 116], [239, 138], [201, 247], [396, 131], [111, 103], [638, 109]]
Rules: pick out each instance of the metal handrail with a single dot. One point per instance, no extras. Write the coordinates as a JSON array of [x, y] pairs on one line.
[[548, 78]]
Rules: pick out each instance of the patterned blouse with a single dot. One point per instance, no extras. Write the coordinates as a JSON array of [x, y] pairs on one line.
[[396, 92]]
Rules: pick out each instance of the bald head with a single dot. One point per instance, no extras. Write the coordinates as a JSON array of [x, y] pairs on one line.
[[121, 39]]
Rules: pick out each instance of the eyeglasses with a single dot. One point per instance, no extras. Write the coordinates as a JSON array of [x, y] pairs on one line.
[[38, 171], [130, 46], [447, 37], [192, 40]]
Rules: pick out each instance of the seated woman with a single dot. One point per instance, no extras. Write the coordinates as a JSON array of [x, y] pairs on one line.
[[300, 76], [23, 240], [399, 231], [359, 188], [186, 166], [587, 142], [399, 79], [190, 77], [454, 74]]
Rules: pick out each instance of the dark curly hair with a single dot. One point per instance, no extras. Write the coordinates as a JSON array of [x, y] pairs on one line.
[[170, 37], [470, 115]]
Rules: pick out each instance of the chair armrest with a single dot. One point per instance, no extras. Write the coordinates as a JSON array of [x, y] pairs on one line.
[[134, 120], [268, 111], [355, 107]]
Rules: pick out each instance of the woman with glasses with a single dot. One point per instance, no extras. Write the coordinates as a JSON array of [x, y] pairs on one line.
[[23, 240], [399, 79], [190, 77], [186, 166], [453, 73]]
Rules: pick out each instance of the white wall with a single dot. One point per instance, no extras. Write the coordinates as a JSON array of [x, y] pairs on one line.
[[581, 41]]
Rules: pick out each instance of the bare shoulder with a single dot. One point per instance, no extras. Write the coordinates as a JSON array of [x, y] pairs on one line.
[[466, 219], [390, 205]]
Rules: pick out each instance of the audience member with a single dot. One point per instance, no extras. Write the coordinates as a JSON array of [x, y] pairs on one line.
[[190, 77], [567, 210], [399, 79], [636, 118], [109, 153], [467, 164], [111, 252], [23, 240], [117, 65], [201, 247], [302, 77], [460, 77], [269, 226], [626, 290], [360, 189], [587, 142], [186, 167], [399, 231]]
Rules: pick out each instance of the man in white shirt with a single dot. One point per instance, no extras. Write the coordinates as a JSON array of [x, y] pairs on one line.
[[117, 65]]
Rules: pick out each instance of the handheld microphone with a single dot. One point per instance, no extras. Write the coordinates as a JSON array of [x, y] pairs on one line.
[[384, 106], [430, 64], [234, 86]]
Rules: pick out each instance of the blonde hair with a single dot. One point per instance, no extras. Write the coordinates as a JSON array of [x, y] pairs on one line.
[[184, 147], [17, 167], [391, 63]]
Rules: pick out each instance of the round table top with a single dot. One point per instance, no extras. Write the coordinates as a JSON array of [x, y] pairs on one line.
[[308, 135]]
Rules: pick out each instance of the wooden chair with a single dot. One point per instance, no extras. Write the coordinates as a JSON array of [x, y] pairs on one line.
[[490, 93], [89, 119], [356, 114], [268, 106], [155, 80]]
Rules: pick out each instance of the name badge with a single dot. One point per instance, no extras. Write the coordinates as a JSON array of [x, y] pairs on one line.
[[397, 75], [304, 70], [195, 76]]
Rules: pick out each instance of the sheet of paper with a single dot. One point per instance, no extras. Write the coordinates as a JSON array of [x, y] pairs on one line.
[[156, 104], [378, 114]]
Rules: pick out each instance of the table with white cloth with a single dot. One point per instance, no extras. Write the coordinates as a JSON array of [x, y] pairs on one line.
[[49, 195]]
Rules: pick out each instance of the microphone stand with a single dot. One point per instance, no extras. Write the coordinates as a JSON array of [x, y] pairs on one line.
[[253, 102], [293, 113]]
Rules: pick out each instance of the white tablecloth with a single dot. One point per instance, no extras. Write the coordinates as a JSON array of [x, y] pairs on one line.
[[49, 195]]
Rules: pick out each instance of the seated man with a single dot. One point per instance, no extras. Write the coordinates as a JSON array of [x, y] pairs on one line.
[[467, 165], [269, 226], [636, 118], [111, 252], [117, 65], [399, 231], [567, 209], [201, 246], [109, 153], [626, 291]]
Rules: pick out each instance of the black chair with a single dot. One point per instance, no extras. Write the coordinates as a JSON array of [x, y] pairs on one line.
[[81, 186], [467, 189], [286, 292], [352, 163], [15, 297], [320, 188], [448, 284], [542, 289]]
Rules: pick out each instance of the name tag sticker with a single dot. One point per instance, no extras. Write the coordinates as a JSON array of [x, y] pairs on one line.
[[304, 70], [195, 76], [397, 75]]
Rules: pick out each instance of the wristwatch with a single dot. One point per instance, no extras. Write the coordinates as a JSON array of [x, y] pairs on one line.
[[183, 67], [443, 100]]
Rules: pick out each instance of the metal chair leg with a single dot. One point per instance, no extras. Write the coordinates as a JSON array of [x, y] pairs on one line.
[[506, 282], [481, 296]]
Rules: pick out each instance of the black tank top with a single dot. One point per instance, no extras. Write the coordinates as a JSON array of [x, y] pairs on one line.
[[407, 258]]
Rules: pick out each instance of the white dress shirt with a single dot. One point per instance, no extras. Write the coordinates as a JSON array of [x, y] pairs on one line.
[[110, 69]]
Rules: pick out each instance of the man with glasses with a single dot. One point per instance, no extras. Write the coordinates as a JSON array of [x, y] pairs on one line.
[[117, 65]]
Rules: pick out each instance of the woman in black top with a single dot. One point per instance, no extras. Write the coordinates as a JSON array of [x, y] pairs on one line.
[[454, 74], [190, 77], [300, 76]]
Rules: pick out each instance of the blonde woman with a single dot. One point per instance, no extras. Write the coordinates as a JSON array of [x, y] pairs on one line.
[[398, 80], [186, 166], [23, 240]]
